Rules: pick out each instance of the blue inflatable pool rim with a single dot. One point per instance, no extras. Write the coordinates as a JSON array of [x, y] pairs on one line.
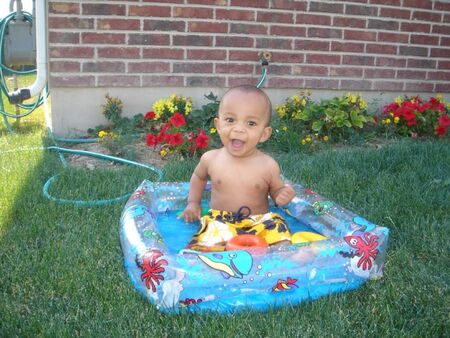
[[226, 282]]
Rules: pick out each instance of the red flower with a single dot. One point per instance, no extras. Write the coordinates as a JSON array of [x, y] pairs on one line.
[[202, 139], [149, 115], [178, 120], [152, 140], [174, 139], [441, 131], [444, 120]]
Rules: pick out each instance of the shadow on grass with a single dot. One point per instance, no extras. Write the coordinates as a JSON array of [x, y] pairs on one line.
[[62, 271]]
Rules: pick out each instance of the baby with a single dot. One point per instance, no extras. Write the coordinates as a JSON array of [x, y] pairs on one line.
[[241, 177]]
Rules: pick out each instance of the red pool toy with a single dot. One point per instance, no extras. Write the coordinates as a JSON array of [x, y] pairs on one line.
[[254, 244]]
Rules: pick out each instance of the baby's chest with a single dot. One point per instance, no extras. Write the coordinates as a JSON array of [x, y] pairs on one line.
[[240, 180]]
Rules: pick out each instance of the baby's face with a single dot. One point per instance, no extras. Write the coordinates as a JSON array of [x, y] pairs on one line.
[[242, 122]]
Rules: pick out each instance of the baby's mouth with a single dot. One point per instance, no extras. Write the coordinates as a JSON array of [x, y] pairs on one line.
[[237, 144]]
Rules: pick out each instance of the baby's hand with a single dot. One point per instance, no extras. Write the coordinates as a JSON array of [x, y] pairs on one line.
[[191, 213], [284, 195]]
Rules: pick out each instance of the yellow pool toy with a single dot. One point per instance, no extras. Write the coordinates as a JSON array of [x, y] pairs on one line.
[[306, 237]]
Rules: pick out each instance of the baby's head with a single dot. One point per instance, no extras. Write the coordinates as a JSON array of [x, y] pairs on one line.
[[246, 91]]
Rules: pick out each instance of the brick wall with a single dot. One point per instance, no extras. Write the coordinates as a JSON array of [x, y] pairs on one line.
[[365, 45]]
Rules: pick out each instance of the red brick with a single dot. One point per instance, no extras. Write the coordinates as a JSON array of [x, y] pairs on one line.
[[415, 27], [360, 35], [424, 39], [443, 76], [287, 57], [413, 51], [237, 81], [441, 6], [295, 31], [445, 41], [119, 24], [103, 38], [192, 67], [440, 53], [205, 81], [355, 84], [312, 45], [103, 9], [390, 62], [148, 67], [388, 85], [208, 2], [242, 28], [334, 8], [119, 52], [70, 23], [119, 81], [373, 48], [386, 2], [395, 13], [326, 33], [346, 72], [420, 86], [268, 43], [427, 4], [149, 11], [162, 81], [421, 63], [250, 3], [282, 82], [193, 12], [411, 74], [358, 60], [164, 25], [369, 11], [63, 8], [72, 81], [103, 67], [349, 22], [192, 40], [351, 47], [64, 37], [321, 84], [446, 18], [427, 16], [442, 87], [65, 66], [206, 54], [165, 1], [239, 55], [312, 19], [148, 39], [234, 68], [72, 52], [440, 29], [306, 70], [163, 53], [274, 69], [323, 59], [382, 24], [208, 27], [235, 15], [393, 37], [443, 64], [275, 17], [234, 41], [370, 73], [289, 4]]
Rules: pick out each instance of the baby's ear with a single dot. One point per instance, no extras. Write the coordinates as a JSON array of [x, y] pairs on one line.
[[266, 134], [216, 123]]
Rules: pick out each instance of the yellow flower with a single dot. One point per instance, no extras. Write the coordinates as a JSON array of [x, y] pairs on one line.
[[163, 152], [284, 128], [188, 107], [281, 110], [212, 130], [325, 138], [396, 119], [296, 99], [386, 121], [398, 100], [303, 102], [351, 98], [439, 98], [102, 133], [308, 139], [362, 103], [316, 134], [303, 142]]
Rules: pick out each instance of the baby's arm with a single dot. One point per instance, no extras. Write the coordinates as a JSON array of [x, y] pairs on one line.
[[280, 192], [193, 211]]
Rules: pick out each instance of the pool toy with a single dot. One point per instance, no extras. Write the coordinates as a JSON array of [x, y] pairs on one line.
[[333, 250], [255, 245]]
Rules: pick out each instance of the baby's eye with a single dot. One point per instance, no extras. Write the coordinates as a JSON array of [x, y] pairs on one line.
[[229, 120], [252, 123]]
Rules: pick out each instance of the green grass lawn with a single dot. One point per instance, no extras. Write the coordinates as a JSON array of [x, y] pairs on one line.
[[62, 273]]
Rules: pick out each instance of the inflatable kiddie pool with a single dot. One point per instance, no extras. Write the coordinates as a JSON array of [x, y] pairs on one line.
[[334, 251]]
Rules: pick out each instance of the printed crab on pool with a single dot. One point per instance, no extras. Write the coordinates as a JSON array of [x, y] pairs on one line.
[[334, 251]]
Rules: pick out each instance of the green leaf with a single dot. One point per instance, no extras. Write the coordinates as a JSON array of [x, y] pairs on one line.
[[317, 125]]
